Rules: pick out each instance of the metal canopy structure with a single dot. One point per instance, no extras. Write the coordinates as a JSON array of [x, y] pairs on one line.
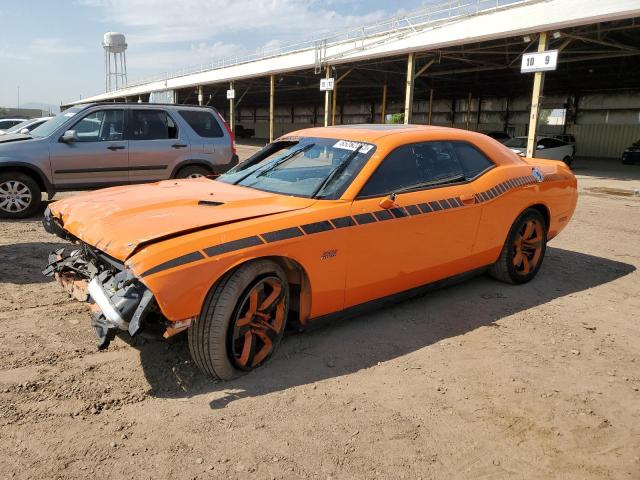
[[444, 63]]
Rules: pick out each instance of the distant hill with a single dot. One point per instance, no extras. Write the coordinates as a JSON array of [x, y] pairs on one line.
[[47, 107]]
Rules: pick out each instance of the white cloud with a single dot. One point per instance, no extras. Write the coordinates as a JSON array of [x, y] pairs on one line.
[[171, 21], [54, 46], [196, 55]]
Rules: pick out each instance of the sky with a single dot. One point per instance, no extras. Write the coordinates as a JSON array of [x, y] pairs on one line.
[[50, 50]]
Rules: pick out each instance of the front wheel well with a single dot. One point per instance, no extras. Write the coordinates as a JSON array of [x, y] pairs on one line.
[[31, 173], [299, 286]]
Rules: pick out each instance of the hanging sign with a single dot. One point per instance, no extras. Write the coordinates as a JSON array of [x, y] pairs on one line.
[[539, 61], [231, 94], [326, 84]]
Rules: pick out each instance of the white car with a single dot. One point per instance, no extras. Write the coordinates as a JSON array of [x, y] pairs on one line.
[[546, 147], [7, 123], [26, 126]]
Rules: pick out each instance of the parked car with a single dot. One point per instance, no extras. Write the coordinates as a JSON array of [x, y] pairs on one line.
[[321, 222], [567, 138], [7, 123], [104, 144], [26, 126], [546, 147], [242, 132], [502, 137], [632, 154]]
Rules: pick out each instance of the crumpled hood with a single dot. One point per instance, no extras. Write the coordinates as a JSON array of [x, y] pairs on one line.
[[118, 220]]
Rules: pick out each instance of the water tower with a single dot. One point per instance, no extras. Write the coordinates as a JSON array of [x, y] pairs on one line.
[[115, 46]]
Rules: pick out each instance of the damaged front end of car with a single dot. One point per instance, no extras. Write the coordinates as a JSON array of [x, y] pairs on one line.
[[119, 301]]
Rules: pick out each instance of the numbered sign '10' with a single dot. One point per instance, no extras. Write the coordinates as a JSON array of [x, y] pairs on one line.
[[539, 61]]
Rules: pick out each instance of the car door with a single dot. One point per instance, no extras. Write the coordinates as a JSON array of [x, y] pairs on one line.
[[156, 144], [429, 231], [99, 154]]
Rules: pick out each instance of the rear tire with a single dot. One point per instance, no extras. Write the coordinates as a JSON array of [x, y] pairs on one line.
[[242, 321], [523, 251], [20, 195], [192, 171]]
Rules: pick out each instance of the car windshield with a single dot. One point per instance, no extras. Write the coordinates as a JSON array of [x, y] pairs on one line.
[[517, 142], [305, 167], [18, 127], [50, 126]]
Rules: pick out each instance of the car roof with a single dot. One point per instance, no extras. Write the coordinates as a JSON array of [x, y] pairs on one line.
[[142, 104], [373, 132]]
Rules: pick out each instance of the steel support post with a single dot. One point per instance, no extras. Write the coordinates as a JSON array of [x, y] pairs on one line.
[[538, 85], [272, 96], [408, 98]]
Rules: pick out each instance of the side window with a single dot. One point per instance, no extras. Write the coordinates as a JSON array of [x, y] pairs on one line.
[[203, 123], [101, 126], [419, 165], [473, 161], [152, 125]]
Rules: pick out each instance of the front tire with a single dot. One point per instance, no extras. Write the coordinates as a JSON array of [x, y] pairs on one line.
[[523, 252], [20, 195], [242, 322]]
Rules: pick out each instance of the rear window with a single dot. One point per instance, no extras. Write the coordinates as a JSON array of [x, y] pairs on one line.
[[203, 123]]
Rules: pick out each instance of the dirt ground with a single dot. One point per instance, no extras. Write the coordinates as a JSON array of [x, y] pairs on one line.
[[479, 380]]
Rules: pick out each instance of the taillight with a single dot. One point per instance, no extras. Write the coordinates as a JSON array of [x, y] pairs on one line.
[[230, 132]]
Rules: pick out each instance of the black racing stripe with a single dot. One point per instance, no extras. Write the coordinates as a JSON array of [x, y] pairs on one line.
[[184, 259], [501, 188], [445, 204], [495, 192], [233, 245], [317, 227], [284, 234], [398, 212], [413, 210], [342, 222], [425, 207], [364, 218], [479, 198], [485, 196], [452, 202], [383, 215], [435, 206]]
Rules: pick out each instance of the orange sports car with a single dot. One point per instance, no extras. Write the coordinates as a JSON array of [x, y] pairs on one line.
[[321, 222]]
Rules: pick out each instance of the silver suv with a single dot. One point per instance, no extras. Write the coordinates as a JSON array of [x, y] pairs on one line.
[[100, 145]]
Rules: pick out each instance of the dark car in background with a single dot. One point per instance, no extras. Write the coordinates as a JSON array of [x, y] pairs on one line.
[[105, 144], [631, 155], [502, 137]]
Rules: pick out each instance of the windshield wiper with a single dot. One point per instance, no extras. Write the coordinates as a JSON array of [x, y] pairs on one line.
[[270, 166], [431, 183], [277, 163], [336, 171]]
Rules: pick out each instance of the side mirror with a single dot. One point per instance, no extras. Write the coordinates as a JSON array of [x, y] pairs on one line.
[[24, 131], [69, 136], [540, 147], [388, 202]]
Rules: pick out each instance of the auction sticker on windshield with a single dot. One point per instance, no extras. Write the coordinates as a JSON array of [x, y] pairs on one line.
[[346, 145]]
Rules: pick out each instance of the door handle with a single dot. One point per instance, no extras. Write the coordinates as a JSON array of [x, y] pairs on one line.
[[179, 145], [113, 148], [468, 199]]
